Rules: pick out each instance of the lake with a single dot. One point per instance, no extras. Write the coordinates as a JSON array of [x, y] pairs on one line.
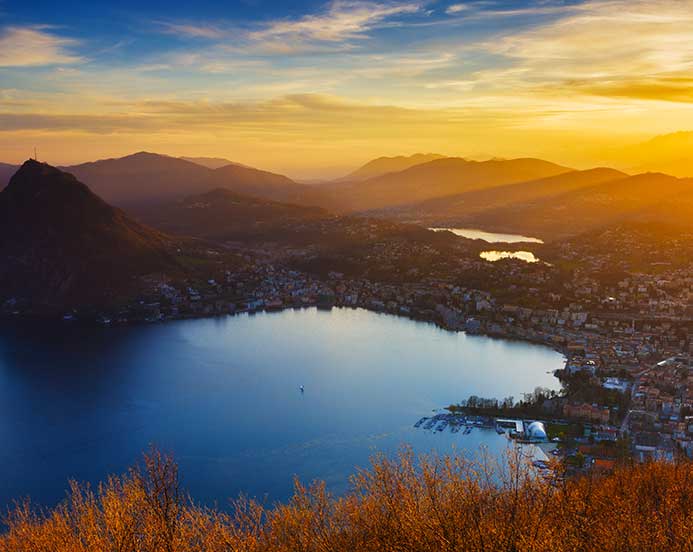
[[223, 396], [493, 256], [490, 237]]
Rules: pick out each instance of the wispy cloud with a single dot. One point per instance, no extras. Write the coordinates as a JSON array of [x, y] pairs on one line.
[[342, 20], [456, 8], [34, 46], [330, 29], [619, 48], [297, 111], [191, 30]]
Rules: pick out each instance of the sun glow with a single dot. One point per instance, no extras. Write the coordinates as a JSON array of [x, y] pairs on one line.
[[315, 93]]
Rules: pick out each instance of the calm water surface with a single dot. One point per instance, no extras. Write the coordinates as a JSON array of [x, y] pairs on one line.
[[490, 237], [223, 395], [493, 256]]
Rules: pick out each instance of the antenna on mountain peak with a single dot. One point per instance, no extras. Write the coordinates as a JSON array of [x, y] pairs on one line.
[[35, 157]]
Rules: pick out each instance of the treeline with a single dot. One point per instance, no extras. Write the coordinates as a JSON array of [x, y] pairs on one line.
[[426, 505], [531, 404]]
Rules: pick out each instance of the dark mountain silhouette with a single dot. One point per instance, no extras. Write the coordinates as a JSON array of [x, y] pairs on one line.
[[6, 172], [211, 162], [588, 208], [384, 165], [61, 244], [225, 215], [439, 178], [459, 206]]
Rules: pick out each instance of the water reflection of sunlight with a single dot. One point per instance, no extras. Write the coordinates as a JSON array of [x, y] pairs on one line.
[[492, 256], [490, 237]]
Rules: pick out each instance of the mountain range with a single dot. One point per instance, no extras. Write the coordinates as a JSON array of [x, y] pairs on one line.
[[575, 211], [466, 204], [527, 196], [435, 179], [148, 177]]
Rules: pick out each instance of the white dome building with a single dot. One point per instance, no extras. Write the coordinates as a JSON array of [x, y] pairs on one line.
[[536, 432]]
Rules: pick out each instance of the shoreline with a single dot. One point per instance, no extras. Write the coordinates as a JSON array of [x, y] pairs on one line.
[[53, 320]]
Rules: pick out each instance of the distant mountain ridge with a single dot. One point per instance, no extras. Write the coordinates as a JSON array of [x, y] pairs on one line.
[[60, 243], [257, 183], [580, 210], [6, 172], [527, 196], [438, 178], [211, 162], [149, 177], [463, 205], [384, 165], [139, 177], [668, 153]]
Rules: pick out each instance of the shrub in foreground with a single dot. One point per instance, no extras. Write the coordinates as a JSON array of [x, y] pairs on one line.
[[405, 504]]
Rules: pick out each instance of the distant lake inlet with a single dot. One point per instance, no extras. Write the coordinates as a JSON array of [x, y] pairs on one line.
[[490, 237]]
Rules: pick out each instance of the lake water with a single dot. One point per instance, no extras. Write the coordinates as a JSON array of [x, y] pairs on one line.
[[493, 256], [490, 237], [223, 396]]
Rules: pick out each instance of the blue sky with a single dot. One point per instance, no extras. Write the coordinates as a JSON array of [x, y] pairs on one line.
[[131, 32], [333, 83]]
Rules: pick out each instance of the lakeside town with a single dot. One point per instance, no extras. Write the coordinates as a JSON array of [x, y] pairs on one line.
[[628, 375]]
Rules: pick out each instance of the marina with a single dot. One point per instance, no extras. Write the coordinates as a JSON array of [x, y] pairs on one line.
[[531, 435], [526, 431], [442, 421]]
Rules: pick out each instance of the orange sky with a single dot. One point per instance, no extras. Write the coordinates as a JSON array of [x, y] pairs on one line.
[[317, 93]]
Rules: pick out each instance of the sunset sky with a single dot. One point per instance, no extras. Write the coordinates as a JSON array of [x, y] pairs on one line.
[[313, 88]]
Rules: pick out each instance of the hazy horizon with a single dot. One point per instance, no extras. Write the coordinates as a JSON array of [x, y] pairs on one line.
[[316, 89], [319, 174]]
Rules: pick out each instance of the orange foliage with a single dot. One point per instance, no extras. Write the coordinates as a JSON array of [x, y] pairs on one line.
[[430, 504]]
